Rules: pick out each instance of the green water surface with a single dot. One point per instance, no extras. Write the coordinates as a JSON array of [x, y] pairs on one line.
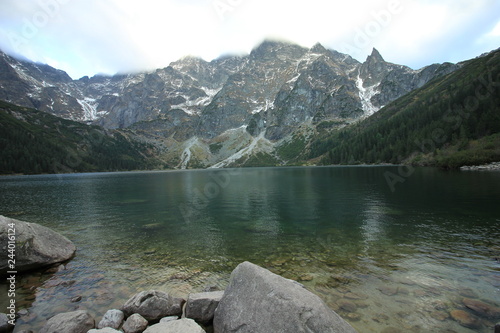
[[388, 254]]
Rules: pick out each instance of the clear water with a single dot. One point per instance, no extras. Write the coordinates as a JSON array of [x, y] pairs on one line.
[[387, 261]]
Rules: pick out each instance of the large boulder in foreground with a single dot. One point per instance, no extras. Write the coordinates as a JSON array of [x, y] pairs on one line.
[[153, 305], [75, 322], [36, 245], [258, 301]]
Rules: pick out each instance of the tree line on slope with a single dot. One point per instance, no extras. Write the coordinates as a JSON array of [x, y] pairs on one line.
[[452, 121], [33, 142]]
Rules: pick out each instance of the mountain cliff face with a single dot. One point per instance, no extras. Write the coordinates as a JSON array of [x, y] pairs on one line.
[[221, 111]]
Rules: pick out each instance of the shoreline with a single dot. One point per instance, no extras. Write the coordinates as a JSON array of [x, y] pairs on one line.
[[494, 166]]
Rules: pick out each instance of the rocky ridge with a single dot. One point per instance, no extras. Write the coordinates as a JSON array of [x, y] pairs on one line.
[[198, 110]]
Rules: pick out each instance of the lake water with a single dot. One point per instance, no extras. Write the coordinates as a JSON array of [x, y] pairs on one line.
[[388, 259]]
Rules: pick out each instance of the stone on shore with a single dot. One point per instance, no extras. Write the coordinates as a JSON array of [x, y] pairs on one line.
[[184, 325], [36, 245], [135, 324], [104, 330], [75, 322], [201, 306], [5, 327], [112, 318], [153, 305], [259, 301]]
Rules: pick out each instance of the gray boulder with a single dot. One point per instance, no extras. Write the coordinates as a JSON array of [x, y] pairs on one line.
[[75, 322], [104, 330], [259, 301], [5, 327], [153, 305], [167, 319], [36, 245], [184, 325], [135, 324], [112, 318], [201, 306]]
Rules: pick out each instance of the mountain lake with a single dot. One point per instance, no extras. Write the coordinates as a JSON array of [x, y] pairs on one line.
[[391, 249]]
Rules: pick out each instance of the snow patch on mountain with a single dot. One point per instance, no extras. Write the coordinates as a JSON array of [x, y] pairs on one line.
[[366, 94], [89, 108]]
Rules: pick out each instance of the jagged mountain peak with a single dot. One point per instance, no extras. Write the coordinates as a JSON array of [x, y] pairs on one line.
[[318, 48], [188, 61], [375, 57], [270, 48]]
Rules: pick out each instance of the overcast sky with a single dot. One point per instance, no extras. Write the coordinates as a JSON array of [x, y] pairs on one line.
[[85, 37]]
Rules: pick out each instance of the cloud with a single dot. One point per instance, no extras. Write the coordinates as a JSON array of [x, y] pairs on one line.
[[92, 36]]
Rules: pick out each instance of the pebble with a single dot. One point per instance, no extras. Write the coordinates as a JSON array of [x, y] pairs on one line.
[[465, 319], [439, 315], [482, 308], [388, 290], [306, 278], [76, 299], [347, 306]]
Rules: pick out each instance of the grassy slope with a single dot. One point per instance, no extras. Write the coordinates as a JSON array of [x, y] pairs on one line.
[[451, 121], [33, 141]]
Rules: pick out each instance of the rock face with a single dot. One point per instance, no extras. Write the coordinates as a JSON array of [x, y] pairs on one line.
[[274, 91], [201, 307], [153, 305], [112, 318], [135, 324], [36, 245], [259, 301], [184, 325], [74, 322]]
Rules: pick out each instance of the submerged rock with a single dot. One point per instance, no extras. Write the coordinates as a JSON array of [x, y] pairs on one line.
[[482, 308], [259, 301], [153, 305], [465, 319], [74, 322], [35, 245]]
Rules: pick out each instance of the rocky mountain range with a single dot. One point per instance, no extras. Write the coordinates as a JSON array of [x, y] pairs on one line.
[[226, 112]]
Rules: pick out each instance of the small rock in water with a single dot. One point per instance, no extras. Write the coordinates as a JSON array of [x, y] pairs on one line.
[[467, 293], [439, 315], [465, 319], [388, 290], [307, 277], [354, 316], [481, 308], [76, 299], [347, 306], [355, 296], [497, 328]]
